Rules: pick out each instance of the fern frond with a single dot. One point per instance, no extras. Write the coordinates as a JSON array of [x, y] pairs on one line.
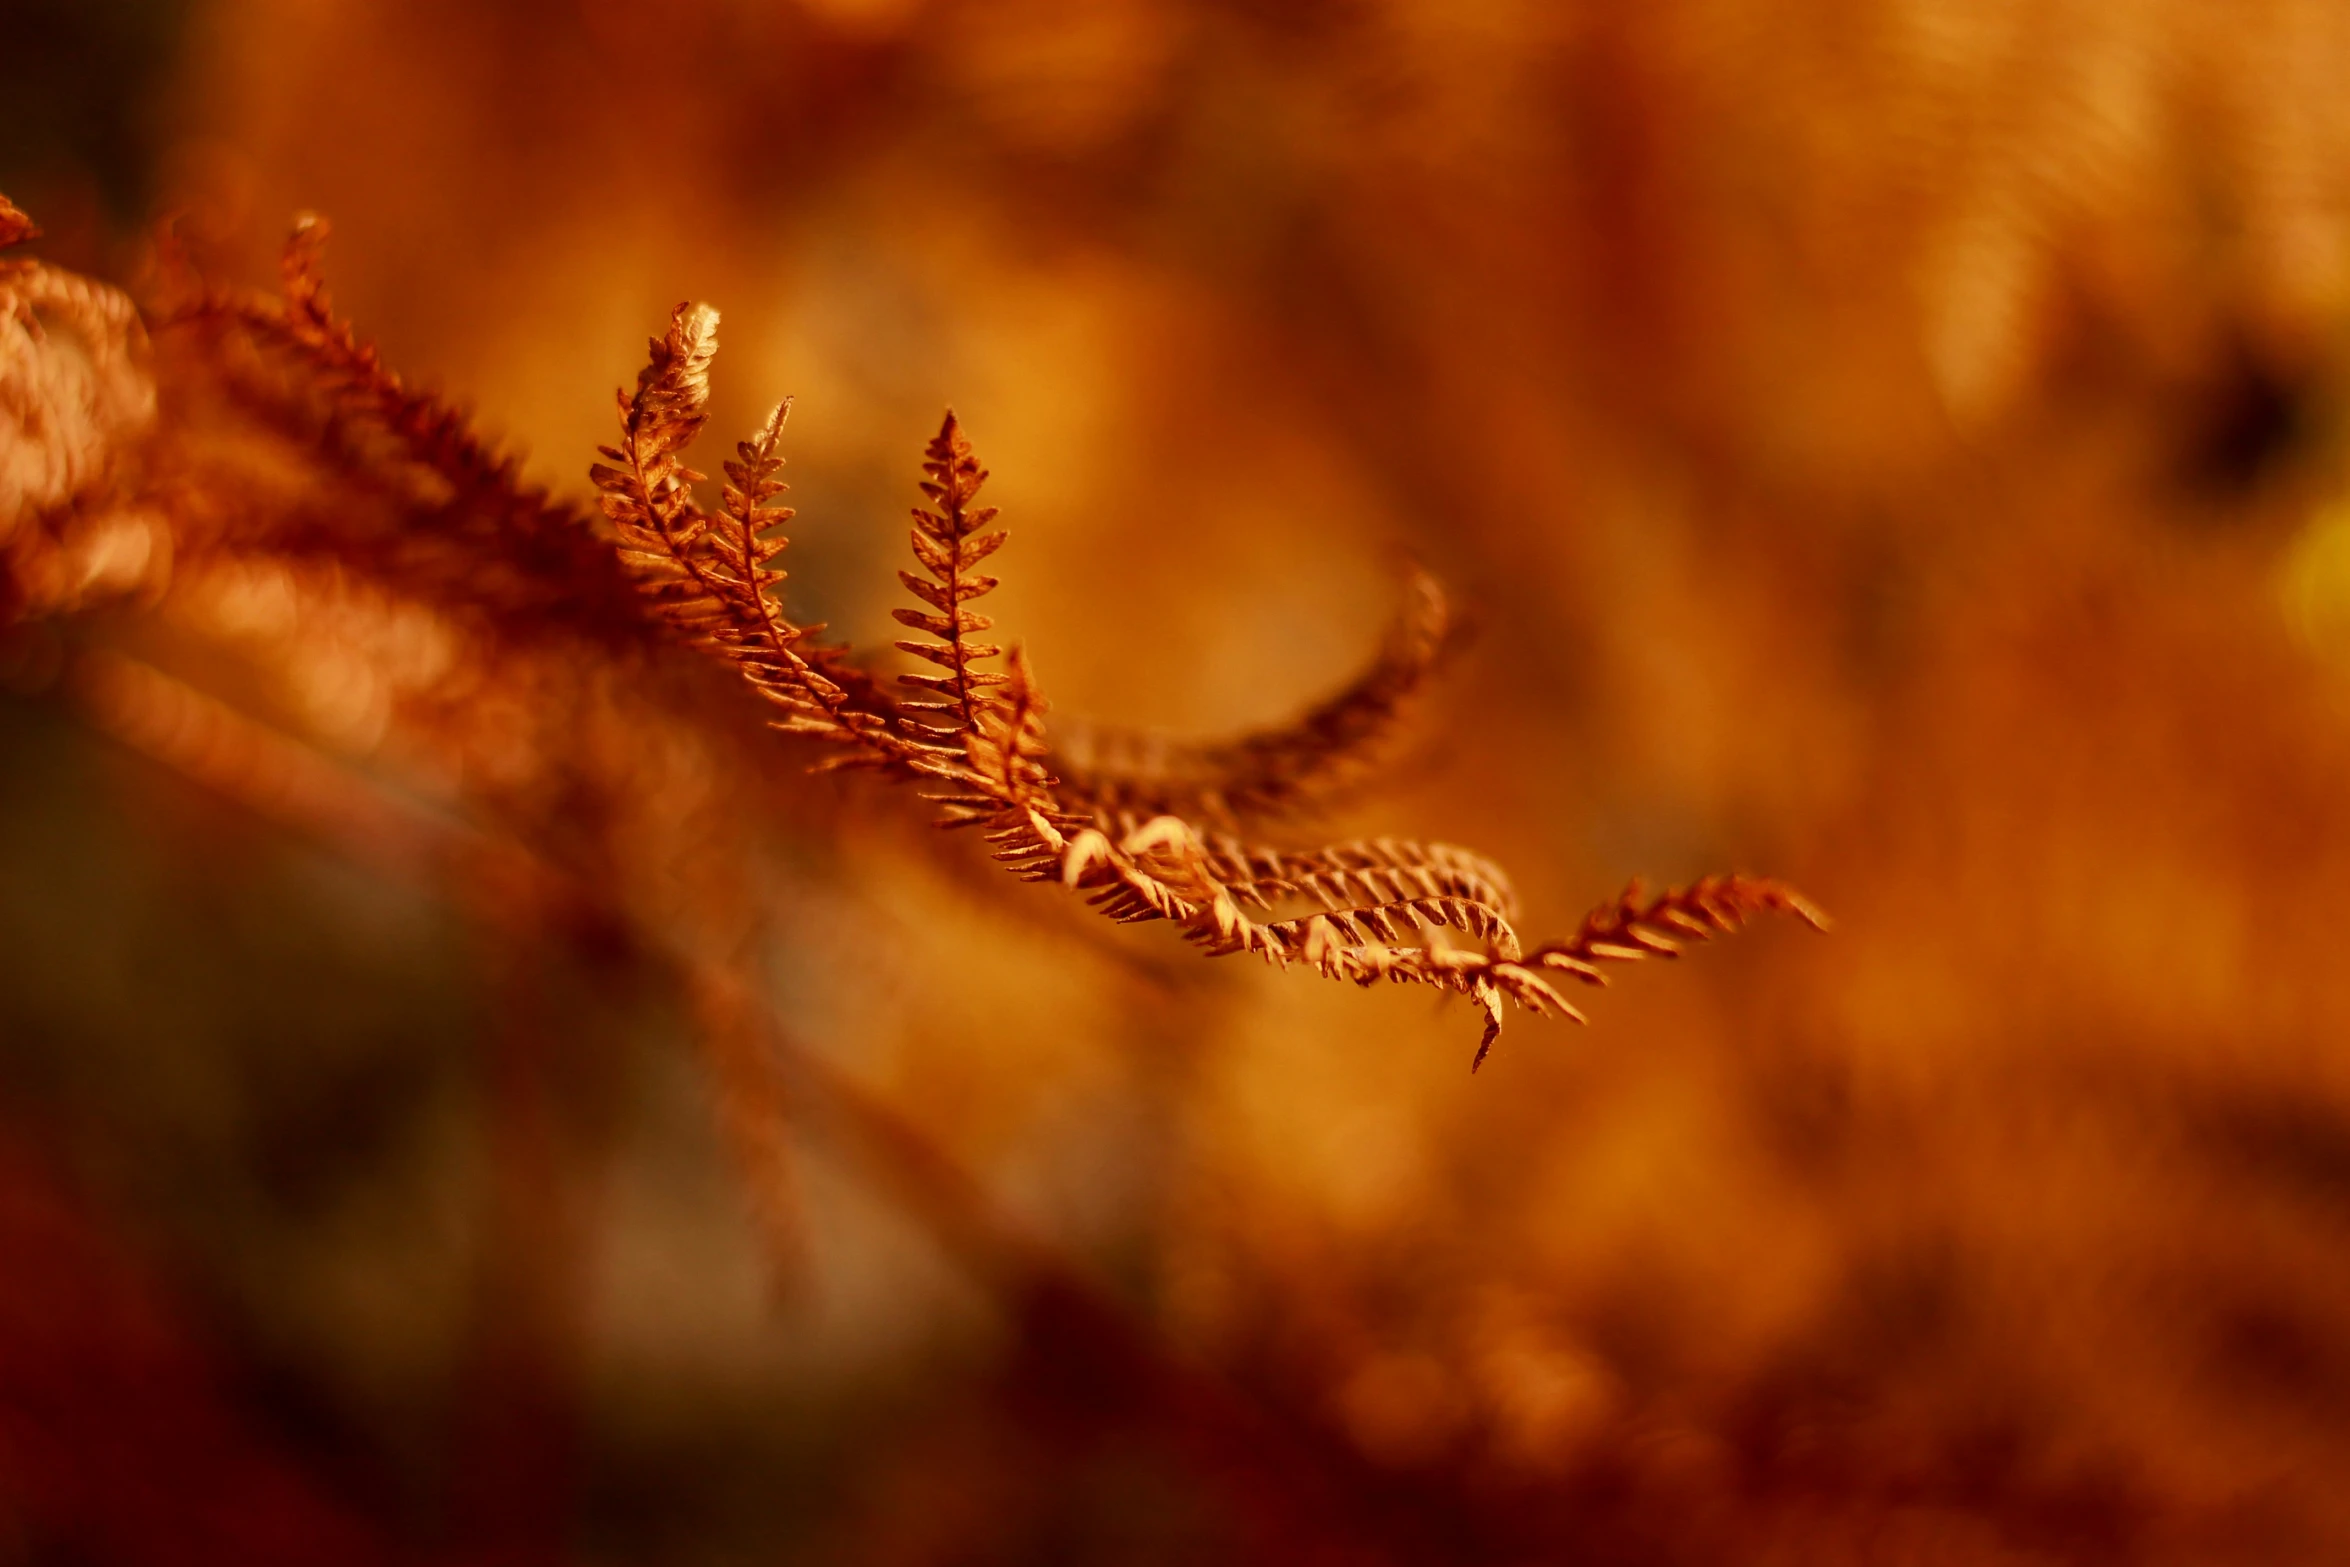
[[1132, 845], [435, 434], [1287, 771], [747, 550], [711, 577], [1007, 750], [483, 525], [950, 547], [1627, 929], [439, 435], [1393, 922], [1635, 926], [1377, 870]]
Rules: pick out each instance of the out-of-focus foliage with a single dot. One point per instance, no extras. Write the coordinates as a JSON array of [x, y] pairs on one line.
[[1893, 444]]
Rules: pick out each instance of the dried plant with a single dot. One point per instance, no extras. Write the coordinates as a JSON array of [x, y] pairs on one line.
[[410, 500], [1141, 840], [466, 534]]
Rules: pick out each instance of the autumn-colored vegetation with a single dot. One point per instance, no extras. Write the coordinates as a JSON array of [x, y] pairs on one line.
[[467, 1089]]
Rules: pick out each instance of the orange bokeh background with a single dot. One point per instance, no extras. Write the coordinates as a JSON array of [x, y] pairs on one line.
[[1892, 445]]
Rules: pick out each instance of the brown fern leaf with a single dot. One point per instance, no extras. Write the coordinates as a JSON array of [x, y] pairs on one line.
[[1373, 943], [1291, 770], [1368, 943], [708, 577], [950, 546], [711, 577], [439, 435], [476, 503], [1375, 880], [1374, 908], [1633, 927], [1160, 870], [1007, 750], [1392, 922], [1372, 870], [648, 497], [1375, 870], [745, 545]]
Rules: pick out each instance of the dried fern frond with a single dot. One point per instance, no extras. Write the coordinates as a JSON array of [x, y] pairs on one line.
[[412, 502], [1365, 944], [711, 578], [950, 546], [474, 535], [1290, 770], [1635, 926], [1372, 870], [436, 434], [1137, 849]]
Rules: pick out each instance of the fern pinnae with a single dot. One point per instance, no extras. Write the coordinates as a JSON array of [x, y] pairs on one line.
[[1285, 771], [949, 545], [437, 433], [1634, 926], [747, 549], [1006, 746], [1138, 828], [1370, 911], [493, 539], [710, 577], [751, 549], [649, 496], [748, 545]]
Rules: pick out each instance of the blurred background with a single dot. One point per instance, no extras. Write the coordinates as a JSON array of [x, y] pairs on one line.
[[1892, 444]]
